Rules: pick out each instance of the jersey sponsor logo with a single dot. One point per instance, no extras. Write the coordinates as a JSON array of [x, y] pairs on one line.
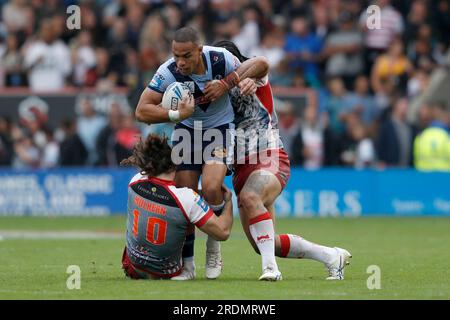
[[202, 204], [150, 206], [157, 81]]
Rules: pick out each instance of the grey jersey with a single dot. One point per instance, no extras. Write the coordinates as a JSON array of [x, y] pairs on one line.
[[158, 217]]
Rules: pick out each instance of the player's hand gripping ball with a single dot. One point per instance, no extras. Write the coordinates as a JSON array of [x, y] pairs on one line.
[[173, 95]]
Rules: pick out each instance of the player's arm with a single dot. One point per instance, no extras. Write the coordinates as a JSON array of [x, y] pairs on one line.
[[149, 109], [255, 68], [220, 227]]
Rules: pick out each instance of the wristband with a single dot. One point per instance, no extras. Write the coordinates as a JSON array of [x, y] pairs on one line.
[[231, 80], [174, 115]]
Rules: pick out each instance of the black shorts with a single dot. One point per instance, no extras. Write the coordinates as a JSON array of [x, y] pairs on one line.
[[192, 148]]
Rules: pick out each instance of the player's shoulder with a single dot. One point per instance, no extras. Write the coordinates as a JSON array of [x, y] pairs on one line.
[[163, 76], [137, 178], [185, 195], [208, 49]]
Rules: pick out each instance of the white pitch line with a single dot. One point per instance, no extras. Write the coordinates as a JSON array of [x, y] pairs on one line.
[[58, 235]]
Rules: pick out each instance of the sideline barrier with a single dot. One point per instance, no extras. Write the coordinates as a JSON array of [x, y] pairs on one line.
[[326, 192]]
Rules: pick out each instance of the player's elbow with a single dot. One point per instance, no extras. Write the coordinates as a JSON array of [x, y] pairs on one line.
[[138, 114], [224, 234], [264, 65], [142, 114]]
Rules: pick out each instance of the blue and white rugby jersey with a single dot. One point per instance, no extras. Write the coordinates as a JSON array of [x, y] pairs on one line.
[[219, 62]]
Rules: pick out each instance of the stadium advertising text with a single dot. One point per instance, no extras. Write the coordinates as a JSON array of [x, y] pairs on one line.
[[330, 192]]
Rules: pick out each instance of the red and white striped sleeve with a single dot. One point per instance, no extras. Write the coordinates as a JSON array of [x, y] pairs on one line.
[[193, 205]]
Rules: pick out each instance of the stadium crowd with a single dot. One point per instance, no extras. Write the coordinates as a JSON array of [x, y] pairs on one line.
[[364, 79]]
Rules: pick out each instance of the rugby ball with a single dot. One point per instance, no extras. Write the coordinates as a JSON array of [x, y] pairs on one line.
[[173, 95]]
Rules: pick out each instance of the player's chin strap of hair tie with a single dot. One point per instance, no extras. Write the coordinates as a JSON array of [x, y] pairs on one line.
[[174, 115], [231, 80]]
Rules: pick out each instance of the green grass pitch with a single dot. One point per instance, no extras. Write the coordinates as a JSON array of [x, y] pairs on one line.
[[413, 255]]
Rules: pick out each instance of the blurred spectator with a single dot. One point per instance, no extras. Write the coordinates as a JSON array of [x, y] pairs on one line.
[[441, 20], [105, 142], [358, 150], [308, 150], [84, 59], [337, 106], [50, 152], [417, 16], [282, 75], [72, 149], [390, 71], [135, 19], [343, 50], [48, 60], [302, 48], [174, 17], [271, 47], [321, 21], [418, 83], [424, 117], [26, 154], [6, 148], [363, 102], [432, 146], [89, 125], [102, 69], [296, 8], [117, 44], [16, 15], [395, 138], [12, 63], [421, 51], [125, 139], [288, 125], [377, 40], [246, 35], [154, 45]]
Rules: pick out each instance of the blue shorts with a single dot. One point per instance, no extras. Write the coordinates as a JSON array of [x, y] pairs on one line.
[[192, 148]]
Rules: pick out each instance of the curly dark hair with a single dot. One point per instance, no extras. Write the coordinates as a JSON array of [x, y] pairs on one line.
[[152, 156]]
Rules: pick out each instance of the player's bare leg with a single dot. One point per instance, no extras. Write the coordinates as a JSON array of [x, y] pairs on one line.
[[259, 191], [212, 180], [188, 178], [294, 246]]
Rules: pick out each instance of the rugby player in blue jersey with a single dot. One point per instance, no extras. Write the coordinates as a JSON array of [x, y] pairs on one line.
[[209, 72]]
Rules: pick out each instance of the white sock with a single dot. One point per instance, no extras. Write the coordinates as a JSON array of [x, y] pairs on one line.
[[212, 245], [263, 233], [293, 246], [189, 263]]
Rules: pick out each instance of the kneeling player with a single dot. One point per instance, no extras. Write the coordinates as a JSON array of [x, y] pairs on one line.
[[159, 214], [261, 173]]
